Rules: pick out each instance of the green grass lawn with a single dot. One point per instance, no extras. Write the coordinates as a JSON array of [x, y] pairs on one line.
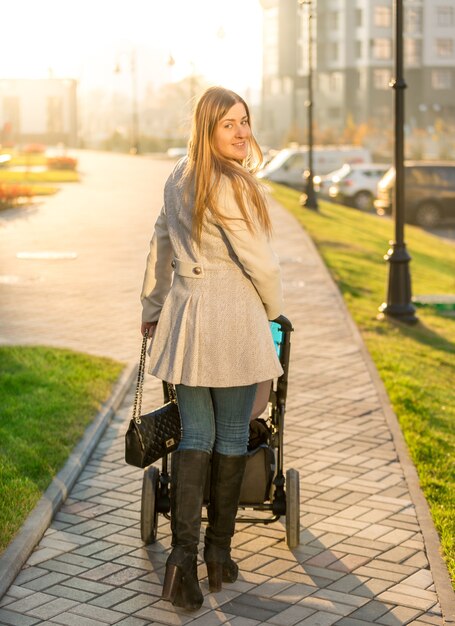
[[28, 159], [43, 190], [22, 158], [417, 362], [46, 176], [48, 397]]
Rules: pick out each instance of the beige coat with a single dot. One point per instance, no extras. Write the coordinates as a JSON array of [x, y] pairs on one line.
[[212, 302]]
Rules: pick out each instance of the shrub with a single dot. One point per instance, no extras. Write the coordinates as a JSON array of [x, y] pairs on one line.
[[61, 163], [11, 195], [34, 148]]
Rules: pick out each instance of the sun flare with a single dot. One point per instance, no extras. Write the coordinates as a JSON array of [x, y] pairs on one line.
[[171, 40]]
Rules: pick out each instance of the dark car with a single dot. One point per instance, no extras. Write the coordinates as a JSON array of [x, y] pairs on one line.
[[429, 192]]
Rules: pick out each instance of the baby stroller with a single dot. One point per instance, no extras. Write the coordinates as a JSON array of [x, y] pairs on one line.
[[265, 487]]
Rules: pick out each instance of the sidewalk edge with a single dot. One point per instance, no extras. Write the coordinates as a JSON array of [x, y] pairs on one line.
[[20, 548], [432, 542]]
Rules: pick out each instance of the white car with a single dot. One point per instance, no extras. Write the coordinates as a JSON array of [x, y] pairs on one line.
[[176, 153], [355, 184], [288, 166]]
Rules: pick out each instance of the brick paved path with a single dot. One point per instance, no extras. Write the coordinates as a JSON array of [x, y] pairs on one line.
[[361, 559]]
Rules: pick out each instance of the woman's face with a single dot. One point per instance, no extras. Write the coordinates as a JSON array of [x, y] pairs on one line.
[[232, 133]]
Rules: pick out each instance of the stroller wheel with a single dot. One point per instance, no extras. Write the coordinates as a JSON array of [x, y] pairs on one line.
[[149, 510], [292, 508]]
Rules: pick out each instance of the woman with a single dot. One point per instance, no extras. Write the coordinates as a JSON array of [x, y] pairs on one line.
[[211, 284]]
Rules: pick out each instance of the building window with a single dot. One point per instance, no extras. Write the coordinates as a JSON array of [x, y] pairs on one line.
[[413, 20], [445, 16], [333, 20], [381, 79], [359, 49], [335, 82], [444, 48], [54, 115], [334, 49], [351, 83], [382, 49], [359, 17], [412, 51], [441, 79], [382, 16]]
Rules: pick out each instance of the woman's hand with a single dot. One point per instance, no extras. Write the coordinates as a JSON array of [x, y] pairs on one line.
[[150, 326]]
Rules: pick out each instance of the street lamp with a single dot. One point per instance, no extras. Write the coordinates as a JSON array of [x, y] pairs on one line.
[[310, 200], [134, 144], [399, 305]]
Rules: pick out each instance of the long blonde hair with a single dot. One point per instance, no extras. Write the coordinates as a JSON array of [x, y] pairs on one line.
[[205, 166]]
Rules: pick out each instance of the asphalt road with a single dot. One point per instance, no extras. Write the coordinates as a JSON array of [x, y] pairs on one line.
[[87, 296], [447, 232]]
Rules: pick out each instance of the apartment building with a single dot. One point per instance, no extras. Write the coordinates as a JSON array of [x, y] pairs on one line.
[[353, 61], [38, 110]]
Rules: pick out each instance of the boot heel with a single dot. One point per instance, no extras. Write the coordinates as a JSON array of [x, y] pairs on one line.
[[215, 575], [230, 571], [172, 582]]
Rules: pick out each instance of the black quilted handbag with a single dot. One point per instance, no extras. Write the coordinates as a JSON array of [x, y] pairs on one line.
[[149, 437]]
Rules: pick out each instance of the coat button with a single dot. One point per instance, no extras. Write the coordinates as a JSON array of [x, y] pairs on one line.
[[197, 270], [173, 264]]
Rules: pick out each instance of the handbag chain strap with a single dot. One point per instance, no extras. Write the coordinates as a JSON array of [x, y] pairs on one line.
[[137, 406]]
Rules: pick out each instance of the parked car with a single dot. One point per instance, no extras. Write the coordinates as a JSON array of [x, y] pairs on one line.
[[429, 192], [267, 155], [4, 159], [322, 183], [355, 184], [289, 165], [176, 153]]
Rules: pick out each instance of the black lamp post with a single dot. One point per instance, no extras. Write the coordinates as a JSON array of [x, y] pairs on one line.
[[399, 305], [310, 199]]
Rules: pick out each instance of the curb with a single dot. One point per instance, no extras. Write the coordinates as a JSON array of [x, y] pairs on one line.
[[36, 524], [432, 542]]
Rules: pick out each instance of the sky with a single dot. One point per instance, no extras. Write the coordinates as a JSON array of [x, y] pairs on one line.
[[86, 39]]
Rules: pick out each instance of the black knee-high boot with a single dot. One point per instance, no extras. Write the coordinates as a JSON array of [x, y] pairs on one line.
[[226, 481], [188, 474]]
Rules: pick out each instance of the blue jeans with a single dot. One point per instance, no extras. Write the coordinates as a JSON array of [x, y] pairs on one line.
[[215, 418]]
